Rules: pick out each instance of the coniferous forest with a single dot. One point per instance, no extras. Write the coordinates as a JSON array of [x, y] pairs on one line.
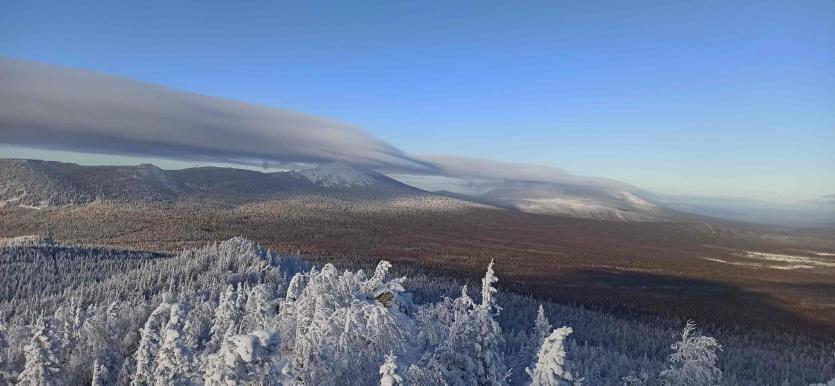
[[234, 313]]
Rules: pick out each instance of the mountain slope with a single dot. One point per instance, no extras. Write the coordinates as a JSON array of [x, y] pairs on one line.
[[594, 202], [33, 183], [45, 183], [339, 175]]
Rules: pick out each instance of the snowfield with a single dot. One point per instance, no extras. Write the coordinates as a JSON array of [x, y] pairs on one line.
[[777, 261], [337, 175]]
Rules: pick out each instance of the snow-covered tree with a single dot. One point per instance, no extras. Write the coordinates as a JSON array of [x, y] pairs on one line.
[[225, 318], [99, 374], [693, 361], [552, 368], [388, 372], [541, 329], [251, 359], [488, 302], [830, 383], [258, 311], [337, 329], [6, 376], [174, 359], [43, 364], [149, 343], [471, 354]]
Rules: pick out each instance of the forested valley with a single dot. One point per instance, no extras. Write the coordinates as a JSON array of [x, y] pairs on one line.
[[236, 313]]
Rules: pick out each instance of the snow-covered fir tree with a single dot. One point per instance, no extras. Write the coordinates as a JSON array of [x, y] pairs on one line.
[[694, 360], [552, 368], [250, 359], [174, 359], [99, 374], [388, 372], [6, 376], [471, 353], [225, 318], [144, 361], [43, 364]]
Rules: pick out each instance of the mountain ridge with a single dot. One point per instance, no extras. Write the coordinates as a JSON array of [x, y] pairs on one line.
[[38, 184]]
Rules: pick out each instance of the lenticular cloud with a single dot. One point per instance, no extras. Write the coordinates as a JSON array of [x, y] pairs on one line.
[[56, 107]]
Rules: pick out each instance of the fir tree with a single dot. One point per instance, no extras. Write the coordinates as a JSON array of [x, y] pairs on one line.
[[43, 365], [388, 372], [174, 359], [693, 361], [552, 368]]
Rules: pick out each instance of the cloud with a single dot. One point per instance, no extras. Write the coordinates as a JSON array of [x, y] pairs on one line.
[[826, 199], [485, 169], [56, 107]]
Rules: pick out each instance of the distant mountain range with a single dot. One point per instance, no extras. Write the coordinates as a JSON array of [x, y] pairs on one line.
[[36, 184], [606, 203], [47, 183]]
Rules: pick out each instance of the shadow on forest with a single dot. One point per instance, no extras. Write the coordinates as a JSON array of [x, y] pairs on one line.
[[707, 302]]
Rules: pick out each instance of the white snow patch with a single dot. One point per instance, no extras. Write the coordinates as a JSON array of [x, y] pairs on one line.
[[13, 200], [634, 200], [577, 207], [796, 262], [738, 263], [799, 260], [790, 267], [337, 175], [39, 207], [824, 253], [26, 241]]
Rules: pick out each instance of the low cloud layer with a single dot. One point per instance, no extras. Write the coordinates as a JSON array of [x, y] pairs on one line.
[[478, 168], [827, 199], [62, 108], [53, 107]]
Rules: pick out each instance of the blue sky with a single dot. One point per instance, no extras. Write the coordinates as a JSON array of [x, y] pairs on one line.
[[715, 98]]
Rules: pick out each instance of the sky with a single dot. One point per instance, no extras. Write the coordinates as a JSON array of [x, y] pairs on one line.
[[705, 98]]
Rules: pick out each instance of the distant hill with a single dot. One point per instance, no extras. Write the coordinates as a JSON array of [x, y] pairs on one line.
[[595, 202], [37, 184], [47, 183]]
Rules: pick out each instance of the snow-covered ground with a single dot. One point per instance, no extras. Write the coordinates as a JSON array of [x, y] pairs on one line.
[[791, 259], [337, 175], [777, 261], [579, 207], [25, 241]]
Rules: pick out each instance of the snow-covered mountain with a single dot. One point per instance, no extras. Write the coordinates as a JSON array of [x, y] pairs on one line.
[[37, 184], [340, 175], [595, 202]]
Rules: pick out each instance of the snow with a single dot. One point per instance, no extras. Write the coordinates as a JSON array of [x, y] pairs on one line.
[[26, 241], [337, 175], [634, 200], [824, 254], [578, 207], [776, 257], [776, 261]]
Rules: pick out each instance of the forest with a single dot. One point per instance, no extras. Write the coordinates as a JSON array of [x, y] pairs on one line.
[[236, 313]]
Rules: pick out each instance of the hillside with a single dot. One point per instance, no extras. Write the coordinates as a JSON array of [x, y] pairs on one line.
[[37, 184], [32, 183], [582, 201]]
